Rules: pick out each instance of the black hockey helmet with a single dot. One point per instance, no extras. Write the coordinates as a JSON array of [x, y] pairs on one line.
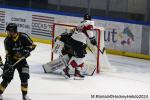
[[87, 17], [11, 27]]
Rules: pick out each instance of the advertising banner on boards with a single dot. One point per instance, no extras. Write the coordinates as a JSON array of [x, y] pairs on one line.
[[117, 35], [33, 23]]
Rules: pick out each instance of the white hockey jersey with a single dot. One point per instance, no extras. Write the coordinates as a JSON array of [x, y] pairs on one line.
[[84, 31]]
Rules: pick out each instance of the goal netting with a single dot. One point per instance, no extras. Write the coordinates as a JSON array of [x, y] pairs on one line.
[[93, 59]]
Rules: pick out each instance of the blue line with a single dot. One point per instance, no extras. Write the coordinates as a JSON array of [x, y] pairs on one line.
[[77, 15]]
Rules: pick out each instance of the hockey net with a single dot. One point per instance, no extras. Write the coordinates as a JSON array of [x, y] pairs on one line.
[[94, 58]]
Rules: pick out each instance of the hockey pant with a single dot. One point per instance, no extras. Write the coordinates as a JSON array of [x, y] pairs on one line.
[[23, 70]]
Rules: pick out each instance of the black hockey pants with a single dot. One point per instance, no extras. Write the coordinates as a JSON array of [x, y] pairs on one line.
[[22, 68]]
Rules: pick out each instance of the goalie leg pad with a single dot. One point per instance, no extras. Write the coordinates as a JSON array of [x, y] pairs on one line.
[[58, 47], [55, 64]]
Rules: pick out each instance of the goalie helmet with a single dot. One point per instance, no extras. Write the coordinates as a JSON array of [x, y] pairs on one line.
[[12, 27], [87, 17]]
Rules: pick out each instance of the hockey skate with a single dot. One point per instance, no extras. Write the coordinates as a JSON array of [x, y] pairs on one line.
[[1, 98], [78, 75], [25, 97], [66, 73]]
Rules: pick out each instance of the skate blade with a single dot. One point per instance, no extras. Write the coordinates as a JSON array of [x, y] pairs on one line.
[[78, 78], [64, 75]]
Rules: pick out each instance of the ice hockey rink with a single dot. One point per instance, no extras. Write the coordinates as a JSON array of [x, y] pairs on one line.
[[132, 77]]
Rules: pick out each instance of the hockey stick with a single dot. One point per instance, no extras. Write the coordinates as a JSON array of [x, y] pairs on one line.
[[90, 49], [101, 51], [11, 66], [93, 72], [95, 66]]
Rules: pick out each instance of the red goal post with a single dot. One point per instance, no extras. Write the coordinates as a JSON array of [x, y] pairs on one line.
[[56, 31]]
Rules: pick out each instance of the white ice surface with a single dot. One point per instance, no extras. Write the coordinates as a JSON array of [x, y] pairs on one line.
[[132, 77]]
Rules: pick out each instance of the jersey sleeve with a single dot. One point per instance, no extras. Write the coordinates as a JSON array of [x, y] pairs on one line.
[[88, 28], [27, 42], [88, 25], [7, 46]]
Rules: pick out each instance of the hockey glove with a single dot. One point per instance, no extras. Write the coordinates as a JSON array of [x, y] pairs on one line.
[[93, 41], [17, 55], [26, 52], [30, 48], [8, 70], [33, 47]]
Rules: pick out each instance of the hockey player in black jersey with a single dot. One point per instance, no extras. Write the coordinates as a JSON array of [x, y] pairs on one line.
[[17, 45]]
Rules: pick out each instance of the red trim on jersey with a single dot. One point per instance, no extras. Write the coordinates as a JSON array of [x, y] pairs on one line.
[[89, 27], [85, 28]]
